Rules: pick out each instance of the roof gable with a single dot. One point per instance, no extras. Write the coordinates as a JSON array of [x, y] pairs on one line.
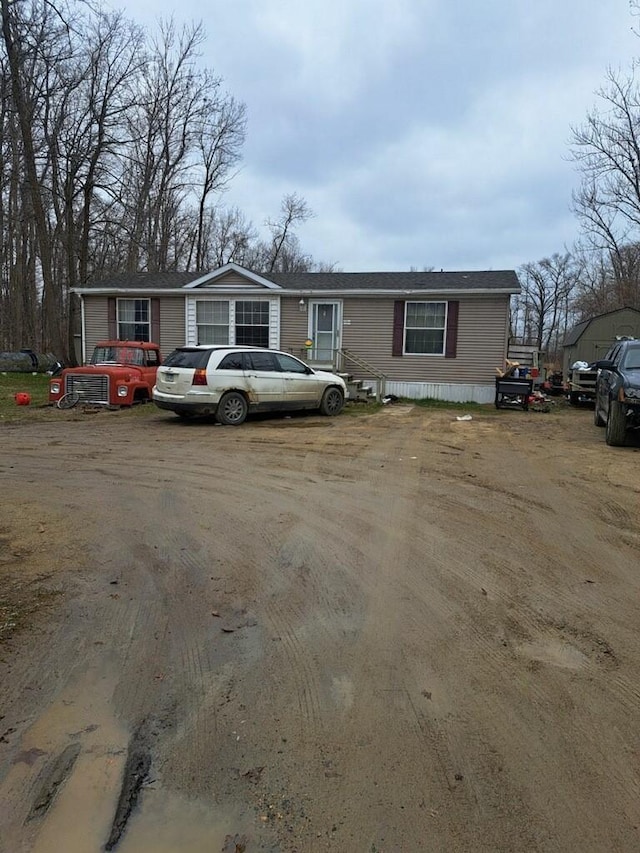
[[228, 275]]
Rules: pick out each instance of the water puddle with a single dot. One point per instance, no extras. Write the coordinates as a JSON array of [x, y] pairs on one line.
[[61, 790], [169, 823]]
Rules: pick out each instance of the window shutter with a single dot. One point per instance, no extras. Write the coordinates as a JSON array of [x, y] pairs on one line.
[[111, 319], [451, 343], [398, 328], [155, 321]]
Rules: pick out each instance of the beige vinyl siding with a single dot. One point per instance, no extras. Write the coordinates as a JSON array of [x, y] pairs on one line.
[[172, 324], [368, 330], [96, 321], [293, 326], [231, 280]]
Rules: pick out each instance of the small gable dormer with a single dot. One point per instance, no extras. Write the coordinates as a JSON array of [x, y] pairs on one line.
[[232, 305], [232, 277]]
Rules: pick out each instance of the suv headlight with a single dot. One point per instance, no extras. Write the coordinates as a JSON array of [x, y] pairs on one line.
[[123, 390]]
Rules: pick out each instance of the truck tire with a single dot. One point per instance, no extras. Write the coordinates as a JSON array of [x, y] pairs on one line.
[[616, 427]]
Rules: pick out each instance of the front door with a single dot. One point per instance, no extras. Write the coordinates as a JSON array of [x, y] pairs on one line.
[[324, 331]]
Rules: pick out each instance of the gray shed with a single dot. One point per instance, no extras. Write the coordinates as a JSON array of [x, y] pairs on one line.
[[588, 341]]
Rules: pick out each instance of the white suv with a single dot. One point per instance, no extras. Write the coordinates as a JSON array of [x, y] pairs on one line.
[[229, 382]]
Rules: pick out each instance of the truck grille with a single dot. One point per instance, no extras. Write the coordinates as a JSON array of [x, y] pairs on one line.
[[94, 389]]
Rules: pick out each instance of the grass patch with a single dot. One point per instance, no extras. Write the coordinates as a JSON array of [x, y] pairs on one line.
[[35, 385], [355, 409], [429, 403]]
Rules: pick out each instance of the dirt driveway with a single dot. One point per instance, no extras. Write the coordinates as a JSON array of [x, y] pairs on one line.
[[393, 632]]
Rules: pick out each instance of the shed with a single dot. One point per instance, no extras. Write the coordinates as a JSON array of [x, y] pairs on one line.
[[589, 340]]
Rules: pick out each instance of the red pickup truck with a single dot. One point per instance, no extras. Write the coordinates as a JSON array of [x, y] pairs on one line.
[[120, 373]]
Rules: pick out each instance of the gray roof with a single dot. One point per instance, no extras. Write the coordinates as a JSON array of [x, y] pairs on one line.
[[144, 281], [498, 280], [574, 334]]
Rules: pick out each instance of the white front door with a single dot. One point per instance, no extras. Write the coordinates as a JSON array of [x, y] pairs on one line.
[[324, 330]]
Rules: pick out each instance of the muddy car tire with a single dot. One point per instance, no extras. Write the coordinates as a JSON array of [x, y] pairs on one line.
[[332, 402], [616, 427], [232, 409]]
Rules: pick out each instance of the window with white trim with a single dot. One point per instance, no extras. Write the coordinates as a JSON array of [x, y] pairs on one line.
[[425, 324], [212, 322], [133, 319], [252, 323], [243, 322]]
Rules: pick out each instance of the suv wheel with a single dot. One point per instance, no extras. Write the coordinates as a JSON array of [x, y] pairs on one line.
[[616, 425], [332, 402], [232, 409]]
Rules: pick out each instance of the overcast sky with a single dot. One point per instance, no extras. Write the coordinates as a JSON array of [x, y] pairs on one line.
[[421, 132]]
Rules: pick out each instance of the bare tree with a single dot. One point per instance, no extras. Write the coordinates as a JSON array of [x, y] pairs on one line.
[[283, 251], [36, 40], [220, 136], [544, 305], [607, 151], [115, 152]]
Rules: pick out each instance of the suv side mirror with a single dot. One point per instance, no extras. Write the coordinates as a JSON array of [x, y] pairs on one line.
[[605, 364]]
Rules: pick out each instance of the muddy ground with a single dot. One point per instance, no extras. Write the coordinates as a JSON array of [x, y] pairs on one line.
[[392, 632]]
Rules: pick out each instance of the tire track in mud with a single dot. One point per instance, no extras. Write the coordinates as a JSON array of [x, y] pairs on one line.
[[376, 658], [52, 776], [136, 770]]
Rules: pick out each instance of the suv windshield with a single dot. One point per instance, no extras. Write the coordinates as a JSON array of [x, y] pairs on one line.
[[193, 358]]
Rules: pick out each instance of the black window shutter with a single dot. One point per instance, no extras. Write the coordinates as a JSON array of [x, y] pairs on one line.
[[451, 343], [155, 321], [111, 319], [398, 328]]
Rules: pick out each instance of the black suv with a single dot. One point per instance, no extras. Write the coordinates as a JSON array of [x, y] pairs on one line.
[[618, 391]]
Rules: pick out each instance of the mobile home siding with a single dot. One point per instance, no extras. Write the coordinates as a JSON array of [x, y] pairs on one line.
[[232, 281], [368, 331], [481, 346], [96, 323], [293, 326], [172, 325]]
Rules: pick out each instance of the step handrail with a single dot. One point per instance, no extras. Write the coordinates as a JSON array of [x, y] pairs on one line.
[[365, 365]]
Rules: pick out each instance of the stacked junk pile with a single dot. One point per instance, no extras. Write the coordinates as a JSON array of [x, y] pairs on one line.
[[515, 388]]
